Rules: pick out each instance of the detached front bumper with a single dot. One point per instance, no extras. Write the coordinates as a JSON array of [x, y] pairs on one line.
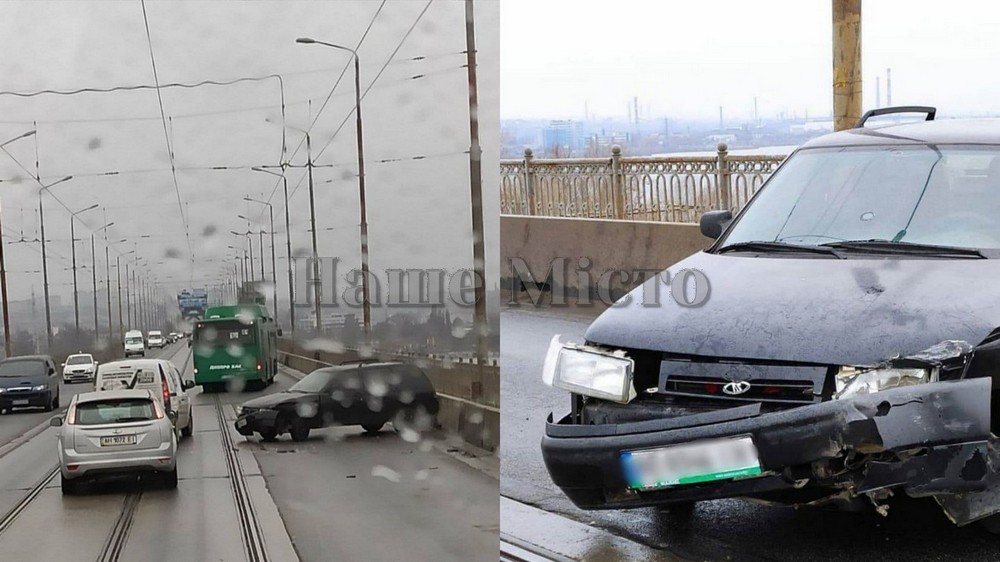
[[942, 431], [257, 420]]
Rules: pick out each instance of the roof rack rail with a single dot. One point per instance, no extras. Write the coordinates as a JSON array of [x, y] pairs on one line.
[[930, 111]]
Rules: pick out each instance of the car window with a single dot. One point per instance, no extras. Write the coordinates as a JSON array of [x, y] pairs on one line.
[[22, 368], [115, 411], [79, 360]]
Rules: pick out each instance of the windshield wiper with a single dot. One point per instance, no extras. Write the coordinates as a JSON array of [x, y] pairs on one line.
[[771, 246], [899, 247]]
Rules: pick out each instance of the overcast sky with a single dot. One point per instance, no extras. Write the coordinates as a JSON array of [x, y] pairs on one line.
[[418, 210], [684, 59]]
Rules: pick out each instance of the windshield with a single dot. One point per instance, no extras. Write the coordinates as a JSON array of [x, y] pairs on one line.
[[225, 333], [946, 195], [79, 360], [315, 381], [21, 368], [133, 341], [115, 411]]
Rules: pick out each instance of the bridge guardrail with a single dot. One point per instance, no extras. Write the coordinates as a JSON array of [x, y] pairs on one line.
[[670, 188]]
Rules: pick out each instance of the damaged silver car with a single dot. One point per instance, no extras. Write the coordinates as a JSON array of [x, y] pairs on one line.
[[849, 350]]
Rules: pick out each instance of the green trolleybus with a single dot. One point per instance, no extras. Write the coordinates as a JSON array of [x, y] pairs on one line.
[[235, 345]]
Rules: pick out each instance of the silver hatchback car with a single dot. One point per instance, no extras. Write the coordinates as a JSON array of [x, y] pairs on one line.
[[114, 433]]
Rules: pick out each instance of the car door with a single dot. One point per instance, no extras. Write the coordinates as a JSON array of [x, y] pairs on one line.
[[53, 377], [380, 385], [343, 400], [185, 398]]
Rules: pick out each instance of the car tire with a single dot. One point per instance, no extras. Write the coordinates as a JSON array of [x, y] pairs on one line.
[[189, 428], [372, 427], [50, 405], [169, 479], [268, 435], [69, 487], [299, 430], [55, 405]]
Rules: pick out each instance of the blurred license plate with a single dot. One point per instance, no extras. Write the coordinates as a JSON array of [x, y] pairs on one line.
[[691, 463], [115, 440], [20, 402], [241, 423]]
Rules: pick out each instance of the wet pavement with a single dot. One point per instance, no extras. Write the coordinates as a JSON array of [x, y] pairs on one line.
[[714, 530], [339, 495]]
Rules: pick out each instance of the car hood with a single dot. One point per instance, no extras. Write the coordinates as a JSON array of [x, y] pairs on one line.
[[26, 380], [815, 310], [276, 399]]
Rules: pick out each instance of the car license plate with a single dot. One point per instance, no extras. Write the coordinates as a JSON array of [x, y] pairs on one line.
[[241, 423], [21, 402], [117, 440], [691, 463]]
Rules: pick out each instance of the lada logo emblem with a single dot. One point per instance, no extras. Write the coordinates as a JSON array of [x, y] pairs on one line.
[[736, 387]]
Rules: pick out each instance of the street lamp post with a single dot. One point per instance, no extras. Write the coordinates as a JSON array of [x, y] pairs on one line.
[[72, 241], [288, 249], [118, 273], [93, 261], [274, 279], [366, 303], [7, 347], [45, 267]]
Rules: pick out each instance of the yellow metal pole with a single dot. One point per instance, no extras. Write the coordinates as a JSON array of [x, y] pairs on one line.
[[846, 63]]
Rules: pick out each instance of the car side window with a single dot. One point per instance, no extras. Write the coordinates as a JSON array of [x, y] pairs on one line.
[[382, 381], [346, 381], [165, 373]]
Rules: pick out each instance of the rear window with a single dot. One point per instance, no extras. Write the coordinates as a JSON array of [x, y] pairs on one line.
[[115, 411], [227, 332]]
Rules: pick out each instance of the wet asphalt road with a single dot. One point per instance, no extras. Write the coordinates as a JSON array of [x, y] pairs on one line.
[[715, 530], [337, 496]]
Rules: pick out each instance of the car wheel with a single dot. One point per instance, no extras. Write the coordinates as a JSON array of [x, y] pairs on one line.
[[268, 435], [372, 427], [169, 479], [299, 430], [69, 487], [56, 403], [50, 405], [189, 428]]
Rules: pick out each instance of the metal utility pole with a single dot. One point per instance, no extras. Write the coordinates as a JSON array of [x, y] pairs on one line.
[[846, 63], [288, 251], [45, 267], [274, 280], [128, 298], [93, 261], [76, 294], [318, 323], [107, 277], [7, 348], [118, 274], [476, 180]]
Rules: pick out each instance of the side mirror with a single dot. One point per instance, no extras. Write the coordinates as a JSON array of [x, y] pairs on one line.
[[188, 385], [280, 332], [56, 421], [52, 370], [172, 414], [189, 343], [713, 223]]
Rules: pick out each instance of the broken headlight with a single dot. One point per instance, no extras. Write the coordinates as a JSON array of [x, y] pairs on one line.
[[852, 381], [589, 371]]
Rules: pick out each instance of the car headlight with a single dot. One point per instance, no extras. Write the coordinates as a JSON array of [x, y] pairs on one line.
[[2, 390], [40, 387], [589, 371], [851, 381]]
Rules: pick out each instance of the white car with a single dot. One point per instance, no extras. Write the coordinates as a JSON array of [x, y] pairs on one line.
[[156, 375], [119, 432], [79, 367], [155, 339], [135, 344]]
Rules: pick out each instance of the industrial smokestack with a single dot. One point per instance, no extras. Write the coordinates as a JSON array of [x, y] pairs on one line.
[[888, 87]]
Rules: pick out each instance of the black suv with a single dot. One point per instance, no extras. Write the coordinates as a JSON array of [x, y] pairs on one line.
[[28, 381], [849, 348]]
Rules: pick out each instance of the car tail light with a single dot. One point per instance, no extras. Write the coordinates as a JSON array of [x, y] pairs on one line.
[[71, 416], [166, 393], [72, 466], [259, 366]]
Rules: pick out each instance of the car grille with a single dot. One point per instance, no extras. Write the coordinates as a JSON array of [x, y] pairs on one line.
[[764, 390]]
